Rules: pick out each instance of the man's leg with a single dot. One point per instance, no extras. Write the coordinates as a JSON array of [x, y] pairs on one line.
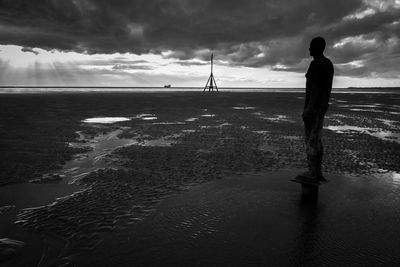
[[309, 147], [312, 153], [319, 147]]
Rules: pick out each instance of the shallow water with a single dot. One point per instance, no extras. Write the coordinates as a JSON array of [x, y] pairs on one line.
[[162, 142], [367, 110], [278, 118], [169, 123], [191, 119], [45, 191], [389, 123], [101, 146], [207, 115], [26, 194], [383, 135], [243, 108], [105, 120]]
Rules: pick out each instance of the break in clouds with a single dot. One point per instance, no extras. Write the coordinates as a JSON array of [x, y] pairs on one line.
[[363, 35]]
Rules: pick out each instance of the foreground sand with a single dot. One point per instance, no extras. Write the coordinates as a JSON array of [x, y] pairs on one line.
[[174, 142], [261, 220]]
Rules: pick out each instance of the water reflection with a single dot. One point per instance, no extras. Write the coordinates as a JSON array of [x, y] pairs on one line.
[[101, 146], [191, 119], [389, 123], [367, 110], [243, 107], [208, 115], [105, 120], [145, 117], [278, 118], [383, 135]]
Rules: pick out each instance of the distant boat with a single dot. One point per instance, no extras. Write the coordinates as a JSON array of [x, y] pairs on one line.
[[167, 86]]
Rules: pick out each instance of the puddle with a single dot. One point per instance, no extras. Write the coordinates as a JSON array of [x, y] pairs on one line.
[[278, 118], [109, 120], [105, 120], [383, 135], [169, 123], [145, 117], [191, 119], [360, 106], [18, 199], [162, 142], [149, 118], [208, 115], [393, 177], [389, 123], [366, 110], [84, 163], [338, 115], [243, 108], [102, 146]]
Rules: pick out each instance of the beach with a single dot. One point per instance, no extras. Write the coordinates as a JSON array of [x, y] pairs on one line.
[[190, 178]]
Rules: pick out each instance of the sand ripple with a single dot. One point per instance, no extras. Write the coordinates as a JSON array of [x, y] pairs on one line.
[[9, 248]]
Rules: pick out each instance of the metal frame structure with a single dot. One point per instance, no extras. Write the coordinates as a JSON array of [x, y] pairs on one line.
[[211, 84]]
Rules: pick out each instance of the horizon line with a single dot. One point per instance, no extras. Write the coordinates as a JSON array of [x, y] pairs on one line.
[[183, 87]]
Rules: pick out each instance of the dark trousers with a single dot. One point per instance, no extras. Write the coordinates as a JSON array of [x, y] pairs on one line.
[[314, 150]]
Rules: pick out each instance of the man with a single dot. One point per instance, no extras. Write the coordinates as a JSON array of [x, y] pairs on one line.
[[318, 89]]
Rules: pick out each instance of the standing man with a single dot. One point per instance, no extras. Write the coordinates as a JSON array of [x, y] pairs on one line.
[[318, 90]]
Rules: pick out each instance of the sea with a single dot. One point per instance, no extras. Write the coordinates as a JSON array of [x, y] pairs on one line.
[[57, 89]]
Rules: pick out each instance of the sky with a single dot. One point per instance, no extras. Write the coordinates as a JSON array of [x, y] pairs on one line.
[[256, 43]]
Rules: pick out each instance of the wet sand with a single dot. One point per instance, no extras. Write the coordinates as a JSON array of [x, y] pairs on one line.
[[115, 158], [261, 220]]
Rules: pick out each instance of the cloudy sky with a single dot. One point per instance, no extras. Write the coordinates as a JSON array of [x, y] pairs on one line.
[[256, 43]]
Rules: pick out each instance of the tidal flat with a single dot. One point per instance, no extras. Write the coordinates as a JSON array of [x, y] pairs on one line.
[[111, 159]]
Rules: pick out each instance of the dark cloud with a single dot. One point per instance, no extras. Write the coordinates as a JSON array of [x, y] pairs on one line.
[[30, 50], [254, 33]]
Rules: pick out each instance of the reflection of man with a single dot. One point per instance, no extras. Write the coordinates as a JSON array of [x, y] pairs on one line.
[[318, 89]]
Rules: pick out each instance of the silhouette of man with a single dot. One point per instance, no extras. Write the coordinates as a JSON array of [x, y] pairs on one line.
[[318, 90]]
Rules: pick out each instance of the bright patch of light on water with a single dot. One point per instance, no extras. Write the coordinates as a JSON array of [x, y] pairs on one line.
[[161, 142], [191, 119], [383, 135], [145, 117], [396, 177], [106, 120], [169, 123], [390, 123], [243, 107], [278, 118], [360, 106]]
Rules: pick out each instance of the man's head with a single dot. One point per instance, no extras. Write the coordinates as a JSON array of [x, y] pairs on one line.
[[317, 47]]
